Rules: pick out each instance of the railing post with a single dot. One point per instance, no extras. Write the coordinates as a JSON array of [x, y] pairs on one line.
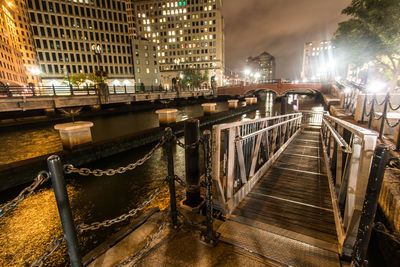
[[87, 89], [372, 112], [125, 89], [384, 115], [192, 169], [64, 209], [209, 237], [364, 108], [171, 176], [54, 90], [370, 204], [71, 89], [115, 92]]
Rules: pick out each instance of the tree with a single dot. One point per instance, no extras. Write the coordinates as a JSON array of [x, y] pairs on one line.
[[372, 34], [194, 77], [77, 79]]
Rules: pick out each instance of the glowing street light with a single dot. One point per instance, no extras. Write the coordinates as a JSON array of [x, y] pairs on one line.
[[247, 72], [257, 75], [376, 86]]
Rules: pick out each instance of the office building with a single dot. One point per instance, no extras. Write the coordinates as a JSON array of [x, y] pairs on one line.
[[262, 66], [65, 33], [147, 72], [187, 34], [18, 65], [318, 60]]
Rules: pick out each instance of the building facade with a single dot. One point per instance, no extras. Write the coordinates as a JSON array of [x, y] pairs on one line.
[[318, 60], [147, 72], [64, 33], [17, 52], [262, 66], [187, 34]]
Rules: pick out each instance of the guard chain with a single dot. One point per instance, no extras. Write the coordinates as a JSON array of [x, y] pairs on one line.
[[180, 181], [392, 125], [391, 106], [52, 248], [41, 178], [140, 253], [107, 223], [394, 163], [191, 146], [69, 168]]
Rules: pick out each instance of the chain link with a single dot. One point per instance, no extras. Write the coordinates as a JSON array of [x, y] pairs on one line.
[[107, 223], [57, 242], [391, 106], [392, 125], [180, 181], [69, 168], [41, 178], [191, 146], [140, 253]]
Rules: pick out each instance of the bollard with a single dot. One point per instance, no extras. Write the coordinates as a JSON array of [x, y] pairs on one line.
[[283, 105], [64, 209], [384, 115], [171, 176], [370, 204], [209, 237], [192, 169]]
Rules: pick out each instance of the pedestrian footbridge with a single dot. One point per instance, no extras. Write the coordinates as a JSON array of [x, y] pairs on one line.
[[293, 187]]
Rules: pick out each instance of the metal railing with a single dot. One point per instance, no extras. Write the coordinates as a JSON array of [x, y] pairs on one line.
[[71, 90], [348, 154], [243, 151]]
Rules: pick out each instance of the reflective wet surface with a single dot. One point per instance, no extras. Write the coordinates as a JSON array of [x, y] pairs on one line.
[[28, 231]]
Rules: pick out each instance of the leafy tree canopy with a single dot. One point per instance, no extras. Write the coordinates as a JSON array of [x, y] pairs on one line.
[[81, 78], [194, 77], [372, 34]]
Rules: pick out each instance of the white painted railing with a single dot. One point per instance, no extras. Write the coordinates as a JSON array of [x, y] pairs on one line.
[[348, 153], [243, 151]]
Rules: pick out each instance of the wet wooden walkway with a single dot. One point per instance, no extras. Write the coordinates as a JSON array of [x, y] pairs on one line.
[[288, 216]]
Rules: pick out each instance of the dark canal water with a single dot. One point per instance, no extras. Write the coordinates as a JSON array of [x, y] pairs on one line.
[[29, 229]]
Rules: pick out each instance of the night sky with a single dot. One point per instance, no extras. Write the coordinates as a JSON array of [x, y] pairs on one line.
[[280, 27]]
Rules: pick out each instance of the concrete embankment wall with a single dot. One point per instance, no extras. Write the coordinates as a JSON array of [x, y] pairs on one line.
[[18, 173]]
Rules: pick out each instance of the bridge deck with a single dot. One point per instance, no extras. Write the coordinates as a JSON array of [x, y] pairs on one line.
[[288, 215]]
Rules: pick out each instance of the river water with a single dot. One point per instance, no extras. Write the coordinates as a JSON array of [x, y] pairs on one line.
[[30, 228]]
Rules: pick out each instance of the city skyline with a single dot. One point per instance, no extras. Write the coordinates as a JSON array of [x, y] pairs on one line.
[[279, 27]]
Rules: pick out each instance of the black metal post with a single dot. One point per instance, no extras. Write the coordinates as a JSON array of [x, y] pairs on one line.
[[209, 237], [171, 176], [372, 112], [370, 204], [192, 168], [398, 139], [64, 209], [54, 90], [384, 115], [364, 107], [71, 89]]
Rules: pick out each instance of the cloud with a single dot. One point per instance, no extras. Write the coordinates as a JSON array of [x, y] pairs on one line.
[[280, 27]]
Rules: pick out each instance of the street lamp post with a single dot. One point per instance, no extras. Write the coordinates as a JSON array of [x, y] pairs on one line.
[[96, 49]]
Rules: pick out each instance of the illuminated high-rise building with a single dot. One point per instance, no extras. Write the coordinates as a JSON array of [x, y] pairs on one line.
[[18, 65], [318, 60], [82, 36], [187, 34], [263, 66]]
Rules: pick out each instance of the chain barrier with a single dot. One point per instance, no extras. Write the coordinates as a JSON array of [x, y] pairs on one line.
[[180, 181], [107, 223], [41, 178], [140, 253], [394, 163], [191, 146], [392, 125], [57, 242], [69, 168], [377, 117], [391, 106]]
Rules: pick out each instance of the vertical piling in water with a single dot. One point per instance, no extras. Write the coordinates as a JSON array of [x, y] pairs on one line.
[[171, 176], [64, 209], [192, 138]]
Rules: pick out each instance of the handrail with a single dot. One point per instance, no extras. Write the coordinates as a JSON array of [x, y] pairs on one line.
[[243, 152], [348, 151]]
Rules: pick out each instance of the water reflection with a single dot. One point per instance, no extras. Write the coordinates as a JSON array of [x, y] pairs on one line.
[[28, 231]]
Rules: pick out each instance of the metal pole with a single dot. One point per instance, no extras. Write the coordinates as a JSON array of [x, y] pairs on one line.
[[64, 209], [209, 237], [192, 169], [370, 204], [372, 112], [71, 89], [283, 105], [364, 108], [384, 115], [171, 176]]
